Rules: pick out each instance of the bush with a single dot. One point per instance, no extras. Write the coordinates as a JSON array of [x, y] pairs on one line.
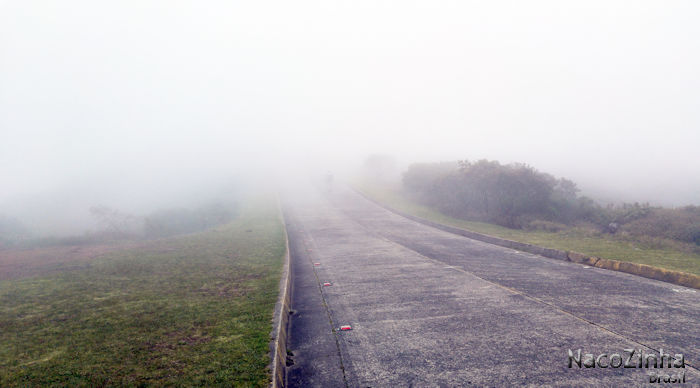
[[12, 231], [508, 195], [518, 196], [681, 224], [114, 224], [421, 177]]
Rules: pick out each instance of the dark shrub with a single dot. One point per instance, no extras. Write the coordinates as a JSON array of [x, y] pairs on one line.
[[518, 196]]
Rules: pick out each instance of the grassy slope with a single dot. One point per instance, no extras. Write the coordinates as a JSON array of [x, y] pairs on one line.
[[190, 310], [572, 240]]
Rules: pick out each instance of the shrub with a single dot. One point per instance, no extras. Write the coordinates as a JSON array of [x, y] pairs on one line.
[[682, 224], [508, 195], [518, 196], [12, 231]]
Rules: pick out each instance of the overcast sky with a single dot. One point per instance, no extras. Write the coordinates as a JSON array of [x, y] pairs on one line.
[[606, 93]]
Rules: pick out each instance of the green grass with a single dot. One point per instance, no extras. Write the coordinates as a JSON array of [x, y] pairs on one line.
[[191, 310], [663, 255]]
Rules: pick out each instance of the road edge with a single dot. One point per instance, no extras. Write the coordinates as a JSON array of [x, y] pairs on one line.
[[280, 320], [647, 271]]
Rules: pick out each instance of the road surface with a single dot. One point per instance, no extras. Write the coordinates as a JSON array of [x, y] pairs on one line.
[[429, 308]]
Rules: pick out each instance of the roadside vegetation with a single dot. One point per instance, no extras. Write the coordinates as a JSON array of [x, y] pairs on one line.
[[519, 203], [113, 225], [187, 310]]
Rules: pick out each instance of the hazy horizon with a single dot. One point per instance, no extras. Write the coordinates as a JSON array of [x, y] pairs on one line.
[[147, 103]]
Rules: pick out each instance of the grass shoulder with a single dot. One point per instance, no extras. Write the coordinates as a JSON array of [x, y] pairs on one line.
[[658, 254], [187, 310]]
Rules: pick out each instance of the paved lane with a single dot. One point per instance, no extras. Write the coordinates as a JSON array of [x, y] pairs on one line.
[[429, 308]]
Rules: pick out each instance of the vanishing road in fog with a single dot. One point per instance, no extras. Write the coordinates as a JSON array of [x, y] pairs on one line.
[[429, 308]]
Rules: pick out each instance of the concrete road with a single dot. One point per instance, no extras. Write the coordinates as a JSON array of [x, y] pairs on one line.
[[432, 309]]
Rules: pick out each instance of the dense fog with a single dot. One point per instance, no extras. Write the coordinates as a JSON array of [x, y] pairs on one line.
[[143, 105]]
